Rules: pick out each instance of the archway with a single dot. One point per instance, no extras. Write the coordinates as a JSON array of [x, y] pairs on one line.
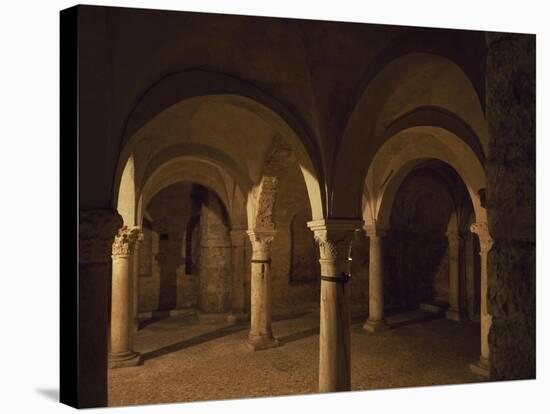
[[396, 160], [409, 91], [231, 128]]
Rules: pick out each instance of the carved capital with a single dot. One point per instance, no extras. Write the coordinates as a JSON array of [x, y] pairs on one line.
[[485, 239], [125, 241], [334, 238], [261, 241], [96, 232], [332, 248]]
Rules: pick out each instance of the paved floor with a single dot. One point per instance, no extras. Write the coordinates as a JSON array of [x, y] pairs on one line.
[[184, 360]]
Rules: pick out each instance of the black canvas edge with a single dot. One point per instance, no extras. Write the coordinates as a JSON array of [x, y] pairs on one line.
[[68, 249]]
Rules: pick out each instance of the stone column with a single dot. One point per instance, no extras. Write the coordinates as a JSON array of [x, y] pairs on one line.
[[376, 321], [96, 232], [135, 279], [485, 243], [454, 312], [122, 353], [334, 238], [260, 336], [237, 284]]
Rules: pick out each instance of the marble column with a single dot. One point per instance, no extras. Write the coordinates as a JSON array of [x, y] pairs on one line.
[[135, 279], [485, 243], [122, 307], [376, 321], [237, 285], [260, 336], [454, 312], [96, 231], [334, 237]]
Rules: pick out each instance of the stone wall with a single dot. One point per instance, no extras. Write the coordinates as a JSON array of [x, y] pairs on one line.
[[359, 282], [163, 283], [215, 257], [295, 266], [416, 248], [510, 111]]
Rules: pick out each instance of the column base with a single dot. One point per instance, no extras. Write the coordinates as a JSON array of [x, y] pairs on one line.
[[259, 343], [454, 315], [375, 326], [124, 360], [481, 367]]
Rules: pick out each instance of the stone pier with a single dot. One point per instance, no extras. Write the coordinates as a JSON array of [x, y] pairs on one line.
[[96, 231]]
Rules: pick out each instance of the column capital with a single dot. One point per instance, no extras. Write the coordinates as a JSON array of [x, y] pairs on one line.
[[125, 241], [375, 231], [334, 236], [485, 239], [96, 232], [261, 239]]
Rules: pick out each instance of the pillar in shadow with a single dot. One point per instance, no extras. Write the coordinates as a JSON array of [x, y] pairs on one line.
[[97, 229]]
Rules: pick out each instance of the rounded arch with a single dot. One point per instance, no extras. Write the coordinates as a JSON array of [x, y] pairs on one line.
[[199, 153], [177, 87], [195, 170], [406, 150], [411, 90]]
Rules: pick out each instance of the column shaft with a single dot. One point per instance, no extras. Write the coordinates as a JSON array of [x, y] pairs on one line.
[[485, 317], [454, 312], [334, 238], [260, 336], [135, 282], [485, 243], [376, 321], [120, 311], [334, 339], [122, 302]]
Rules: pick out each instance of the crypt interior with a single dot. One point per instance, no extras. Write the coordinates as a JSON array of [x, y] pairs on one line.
[[280, 206]]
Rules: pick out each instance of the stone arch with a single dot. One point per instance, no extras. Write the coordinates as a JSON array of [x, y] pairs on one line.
[[126, 200], [390, 103], [192, 83], [199, 171], [401, 153]]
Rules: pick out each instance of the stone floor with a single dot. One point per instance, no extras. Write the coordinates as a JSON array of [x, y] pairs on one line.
[[188, 360]]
